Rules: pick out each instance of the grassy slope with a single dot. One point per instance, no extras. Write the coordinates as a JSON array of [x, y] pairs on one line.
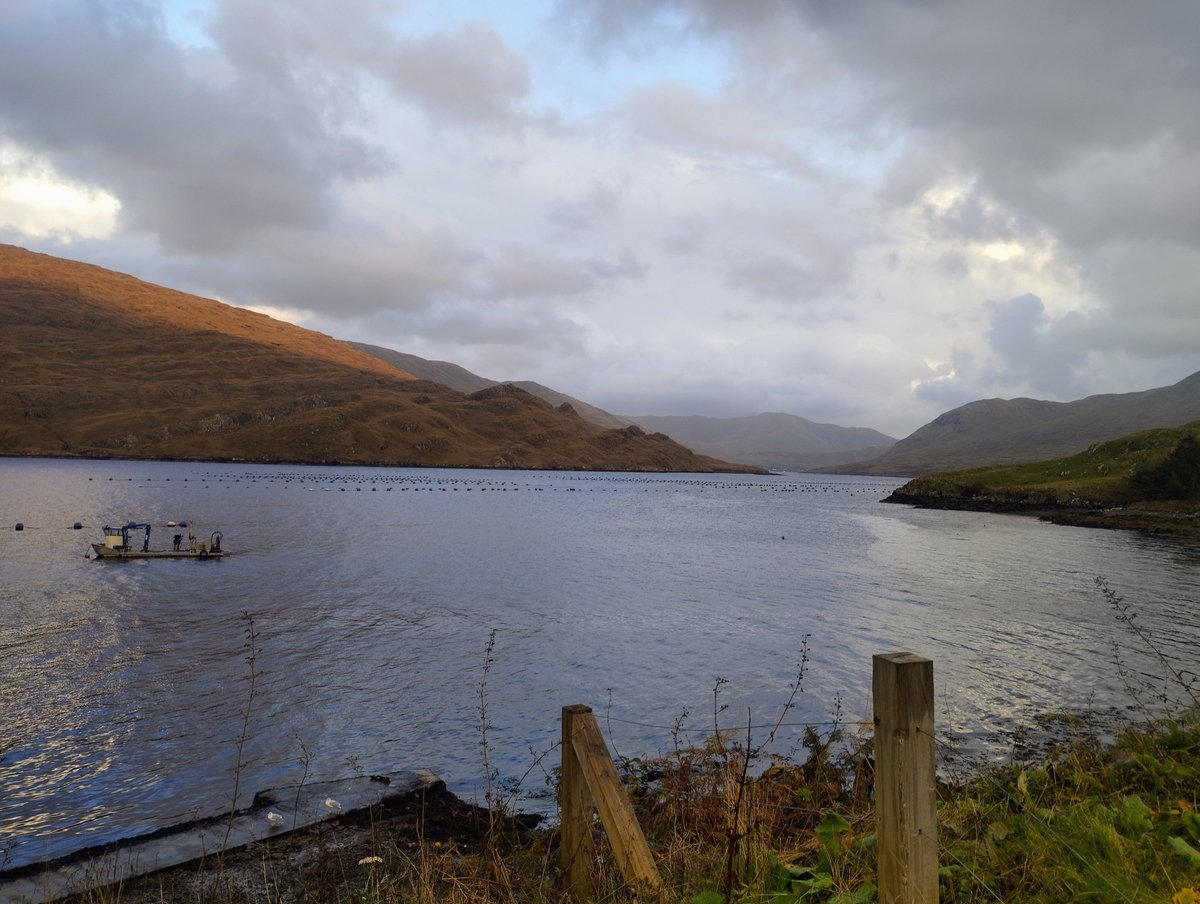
[[1097, 486]]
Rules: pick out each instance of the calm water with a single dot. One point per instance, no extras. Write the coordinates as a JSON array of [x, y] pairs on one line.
[[374, 593]]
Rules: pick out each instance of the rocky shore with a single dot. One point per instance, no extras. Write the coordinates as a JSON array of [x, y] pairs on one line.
[[325, 859], [1074, 512]]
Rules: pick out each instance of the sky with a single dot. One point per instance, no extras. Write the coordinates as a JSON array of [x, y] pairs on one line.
[[861, 213]]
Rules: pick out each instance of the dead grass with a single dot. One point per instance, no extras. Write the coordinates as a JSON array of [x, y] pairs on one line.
[[426, 847]]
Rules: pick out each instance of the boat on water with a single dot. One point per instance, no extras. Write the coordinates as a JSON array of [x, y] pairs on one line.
[[125, 543]]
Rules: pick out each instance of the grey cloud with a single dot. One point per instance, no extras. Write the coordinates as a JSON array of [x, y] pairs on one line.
[[1063, 357], [533, 329], [1077, 116], [1072, 119], [775, 277], [468, 75], [199, 163], [638, 26], [503, 340], [465, 75], [956, 386], [716, 392], [972, 218], [322, 40], [595, 207], [1035, 351], [406, 272], [207, 149], [1145, 276], [723, 132], [1147, 192], [1025, 85], [519, 273], [626, 265], [942, 395], [342, 276], [687, 395], [954, 265], [689, 237], [600, 24]]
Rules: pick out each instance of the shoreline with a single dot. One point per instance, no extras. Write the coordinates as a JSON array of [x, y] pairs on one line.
[[310, 841], [1093, 515], [338, 463]]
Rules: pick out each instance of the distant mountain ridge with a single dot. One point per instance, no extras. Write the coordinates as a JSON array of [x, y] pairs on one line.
[[772, 440], [1010, 431], [776, 441], [463, 380]]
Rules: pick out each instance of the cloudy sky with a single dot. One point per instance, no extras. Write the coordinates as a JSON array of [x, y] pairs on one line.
[[862, 213]]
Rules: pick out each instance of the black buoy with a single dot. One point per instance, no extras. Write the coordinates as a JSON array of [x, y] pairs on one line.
[[77, 526], [20, 526]]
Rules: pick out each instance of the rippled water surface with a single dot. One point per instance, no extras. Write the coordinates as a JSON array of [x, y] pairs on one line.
[[373, 594]]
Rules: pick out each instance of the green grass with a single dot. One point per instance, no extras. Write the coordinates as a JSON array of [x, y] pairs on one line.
[[1119, 472], [1114, 823]]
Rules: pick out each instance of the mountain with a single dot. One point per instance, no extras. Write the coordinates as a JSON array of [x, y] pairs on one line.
[[464, 381], [1000, 431], [779, 441], [100, 364]]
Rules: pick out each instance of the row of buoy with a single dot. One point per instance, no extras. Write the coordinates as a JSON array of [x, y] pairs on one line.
[[488, 483], [20, 525], [453, 483]]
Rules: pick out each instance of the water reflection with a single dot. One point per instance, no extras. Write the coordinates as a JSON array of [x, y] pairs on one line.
[[374, 593]]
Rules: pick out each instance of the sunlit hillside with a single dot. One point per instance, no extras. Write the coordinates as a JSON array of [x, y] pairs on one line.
[[101, 364]]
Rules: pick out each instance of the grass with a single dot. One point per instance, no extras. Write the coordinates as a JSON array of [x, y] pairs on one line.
[[1104, 473], [1117, 822], [1112, 823], [1098, 823], [1148, 481]]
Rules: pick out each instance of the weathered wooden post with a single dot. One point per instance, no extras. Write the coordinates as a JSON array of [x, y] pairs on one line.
[[589, 776], [905, 803], [576, 811]]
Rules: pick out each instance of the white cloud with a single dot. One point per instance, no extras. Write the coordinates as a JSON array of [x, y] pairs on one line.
[[36, 201]]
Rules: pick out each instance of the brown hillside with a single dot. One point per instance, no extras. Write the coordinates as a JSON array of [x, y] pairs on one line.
[[100, 364]]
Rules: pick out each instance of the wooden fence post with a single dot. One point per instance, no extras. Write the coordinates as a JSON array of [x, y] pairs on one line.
[[589, 776], [905, 803], [576, 812]]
